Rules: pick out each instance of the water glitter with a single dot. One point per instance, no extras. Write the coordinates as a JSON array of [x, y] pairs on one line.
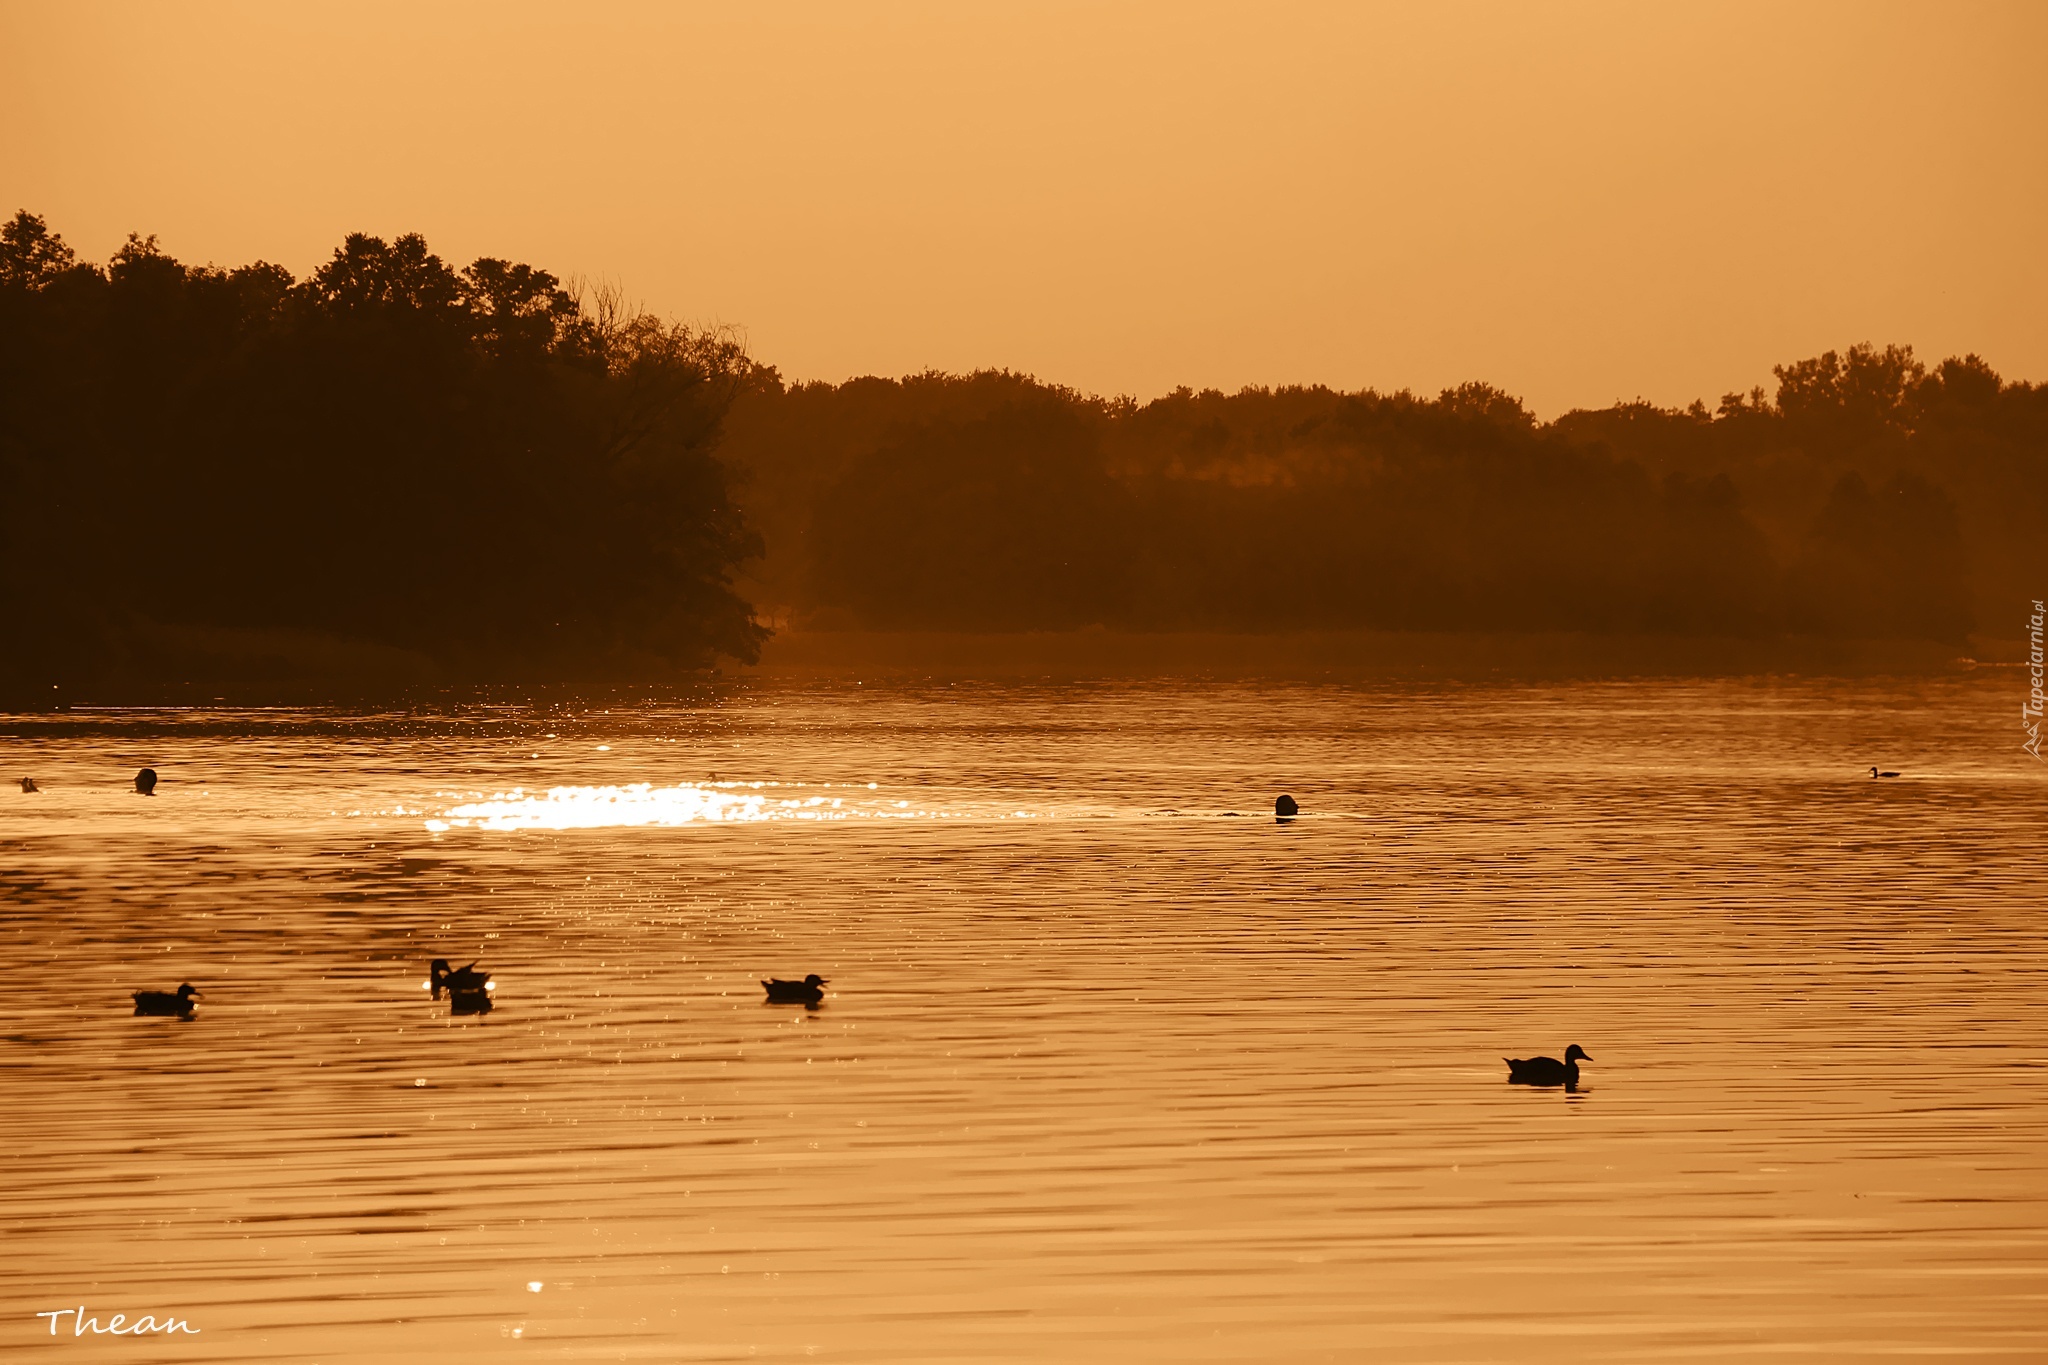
[[639, 803]]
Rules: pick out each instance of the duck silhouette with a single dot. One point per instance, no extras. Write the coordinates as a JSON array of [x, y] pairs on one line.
[[1875, 773], [1547, 1070], [28, 784], [167, 1004], [808, 991], [469, 990]]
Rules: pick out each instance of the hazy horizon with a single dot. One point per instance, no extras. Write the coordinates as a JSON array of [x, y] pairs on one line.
[[1580, 205]]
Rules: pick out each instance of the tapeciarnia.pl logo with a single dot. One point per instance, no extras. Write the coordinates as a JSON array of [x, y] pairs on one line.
[[2030, 710]]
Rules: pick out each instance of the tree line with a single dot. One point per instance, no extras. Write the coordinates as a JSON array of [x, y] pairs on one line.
[[467, 467], [1870, 497], [483, 472]]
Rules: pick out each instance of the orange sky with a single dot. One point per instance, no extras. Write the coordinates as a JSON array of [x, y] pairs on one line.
[[1577, 202]]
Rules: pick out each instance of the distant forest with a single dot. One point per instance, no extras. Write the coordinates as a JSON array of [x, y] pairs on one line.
[[478, 473], [1870, 498]]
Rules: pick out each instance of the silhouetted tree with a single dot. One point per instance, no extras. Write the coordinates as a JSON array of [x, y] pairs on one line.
[[31, 256]]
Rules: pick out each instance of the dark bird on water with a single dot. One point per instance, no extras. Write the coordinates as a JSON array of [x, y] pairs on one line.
[[808, 991], [1547, 1070], [145, 782], [1286, 807], [28, 784], [1875, 773], [171, 1004], [469, 990]]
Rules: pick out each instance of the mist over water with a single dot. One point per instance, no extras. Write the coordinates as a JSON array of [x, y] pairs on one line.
[[1111, 1065]]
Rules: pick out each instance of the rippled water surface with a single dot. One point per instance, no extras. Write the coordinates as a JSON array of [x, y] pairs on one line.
[[1111, 1066]]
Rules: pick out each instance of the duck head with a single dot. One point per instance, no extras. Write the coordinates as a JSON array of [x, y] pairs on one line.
[[814, 980], [187, 991], [1575, 1053]]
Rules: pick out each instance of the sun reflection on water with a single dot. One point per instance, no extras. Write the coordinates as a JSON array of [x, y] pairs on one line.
[[643, 803]]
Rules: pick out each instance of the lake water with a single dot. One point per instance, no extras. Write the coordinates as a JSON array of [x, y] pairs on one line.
[[1112, 1066]]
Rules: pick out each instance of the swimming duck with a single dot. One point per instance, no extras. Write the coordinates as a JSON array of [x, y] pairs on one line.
[[1875, 773], [1547, 1070], [28, 784], [469, 990], [808, 991], [171, 1004]]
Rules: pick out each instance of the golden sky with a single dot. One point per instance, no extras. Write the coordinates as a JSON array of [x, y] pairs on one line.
[[1578, 202]]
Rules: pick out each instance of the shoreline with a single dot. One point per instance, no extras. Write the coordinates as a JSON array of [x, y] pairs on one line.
[[259, 668]]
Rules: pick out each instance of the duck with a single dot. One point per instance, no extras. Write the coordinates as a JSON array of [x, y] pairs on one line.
[[28, 784], [469, 990], [808, 991], [1875, 773], [1547, 1070], [169, 1004]]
